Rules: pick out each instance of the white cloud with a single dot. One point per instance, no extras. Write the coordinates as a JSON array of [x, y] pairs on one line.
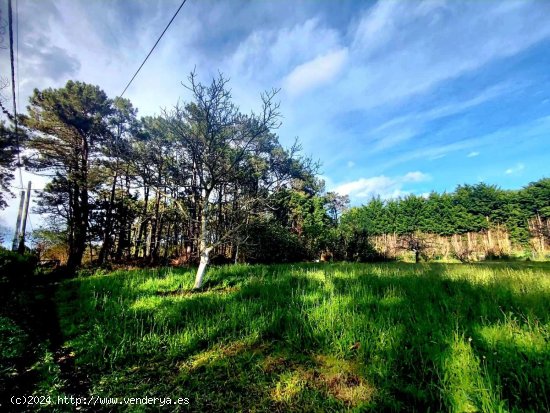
[[383, 186], [376, 26], [472, 154], [365, 66], [269, 53], [403, 128], [401, 52], [416, 176], [315, 73], [401, 49], [394, 138], [518, 168]]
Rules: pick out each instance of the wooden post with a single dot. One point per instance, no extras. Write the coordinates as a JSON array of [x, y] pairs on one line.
[[24, 224], [18, 223]]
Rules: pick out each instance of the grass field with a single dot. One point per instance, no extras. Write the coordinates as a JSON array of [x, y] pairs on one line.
[[312, 337]]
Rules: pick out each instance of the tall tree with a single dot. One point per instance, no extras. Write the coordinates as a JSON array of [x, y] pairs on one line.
[[226, 156], [123, 124], [70, 126], [8, 160]]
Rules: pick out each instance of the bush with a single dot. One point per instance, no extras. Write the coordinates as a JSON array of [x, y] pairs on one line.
[[359, 248], [15, 267], [269, 242]]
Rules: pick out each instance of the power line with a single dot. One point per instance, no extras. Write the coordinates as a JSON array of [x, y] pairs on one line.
[[153, 48], [10, 25], [17, 49]]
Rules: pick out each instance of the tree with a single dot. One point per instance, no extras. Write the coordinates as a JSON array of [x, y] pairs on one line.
[[535, 199], [228, 161], [123, 125], [8, 160], [70, 127]]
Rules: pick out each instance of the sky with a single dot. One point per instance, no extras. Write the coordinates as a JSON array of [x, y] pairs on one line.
[[393, 97]]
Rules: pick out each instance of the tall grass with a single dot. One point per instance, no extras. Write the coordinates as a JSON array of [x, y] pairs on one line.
[[314, 337]]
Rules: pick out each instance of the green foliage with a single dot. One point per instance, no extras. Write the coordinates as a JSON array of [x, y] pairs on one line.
[[49, 382], [388, 337], [70, 128], [15, 267], [13, 346], [8, 159], [311, 217], [269, 242], [12, 342], [535, 197], [356, 226], [471, 208]]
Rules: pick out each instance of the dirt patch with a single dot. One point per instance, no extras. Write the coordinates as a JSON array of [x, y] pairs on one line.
[[347, 387], [337, 378], [275, 364], [340, 379], [222, 352]]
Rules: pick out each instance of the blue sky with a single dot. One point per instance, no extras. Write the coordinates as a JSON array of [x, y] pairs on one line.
[[393, 97]]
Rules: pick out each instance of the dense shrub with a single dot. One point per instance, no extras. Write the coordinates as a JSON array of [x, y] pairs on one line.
[[269, 242], [15, 267]]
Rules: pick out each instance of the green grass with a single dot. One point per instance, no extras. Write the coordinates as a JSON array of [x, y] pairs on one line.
[[13, 341], [312, 337]]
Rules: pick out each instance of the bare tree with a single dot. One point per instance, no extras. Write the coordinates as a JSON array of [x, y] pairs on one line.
[[228, 161]]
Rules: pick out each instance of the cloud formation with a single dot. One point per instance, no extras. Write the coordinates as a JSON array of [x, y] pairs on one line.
[[315, 73], [383, 186], [515, 169], [394, 86]]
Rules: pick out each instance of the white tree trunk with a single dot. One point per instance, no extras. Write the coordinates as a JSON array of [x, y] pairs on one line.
[[237, 254], [202, 268], [204, 250]]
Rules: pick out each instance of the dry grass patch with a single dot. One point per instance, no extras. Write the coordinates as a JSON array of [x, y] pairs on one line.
[[339, 378], [336, 378], [222, 352]]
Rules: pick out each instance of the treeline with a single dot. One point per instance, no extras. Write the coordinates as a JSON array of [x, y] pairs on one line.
[[475, 221], [205, 182], [200, 182]]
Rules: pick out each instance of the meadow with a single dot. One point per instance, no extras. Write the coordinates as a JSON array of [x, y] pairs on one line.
[[317, 337]]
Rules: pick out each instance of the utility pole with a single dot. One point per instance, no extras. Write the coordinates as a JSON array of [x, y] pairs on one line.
[[18, 223], [24, 224]]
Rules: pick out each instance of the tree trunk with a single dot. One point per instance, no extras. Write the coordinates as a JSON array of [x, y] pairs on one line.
[[125, 224], [154, 228], [202, 268], [140, 243], [107, 240], [159, 229], [147, 244], [79, 230], [237, 254], [204, 250]]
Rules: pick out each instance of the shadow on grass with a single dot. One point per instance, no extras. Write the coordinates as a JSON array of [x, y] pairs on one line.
[[319, 337], [457, 346]]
